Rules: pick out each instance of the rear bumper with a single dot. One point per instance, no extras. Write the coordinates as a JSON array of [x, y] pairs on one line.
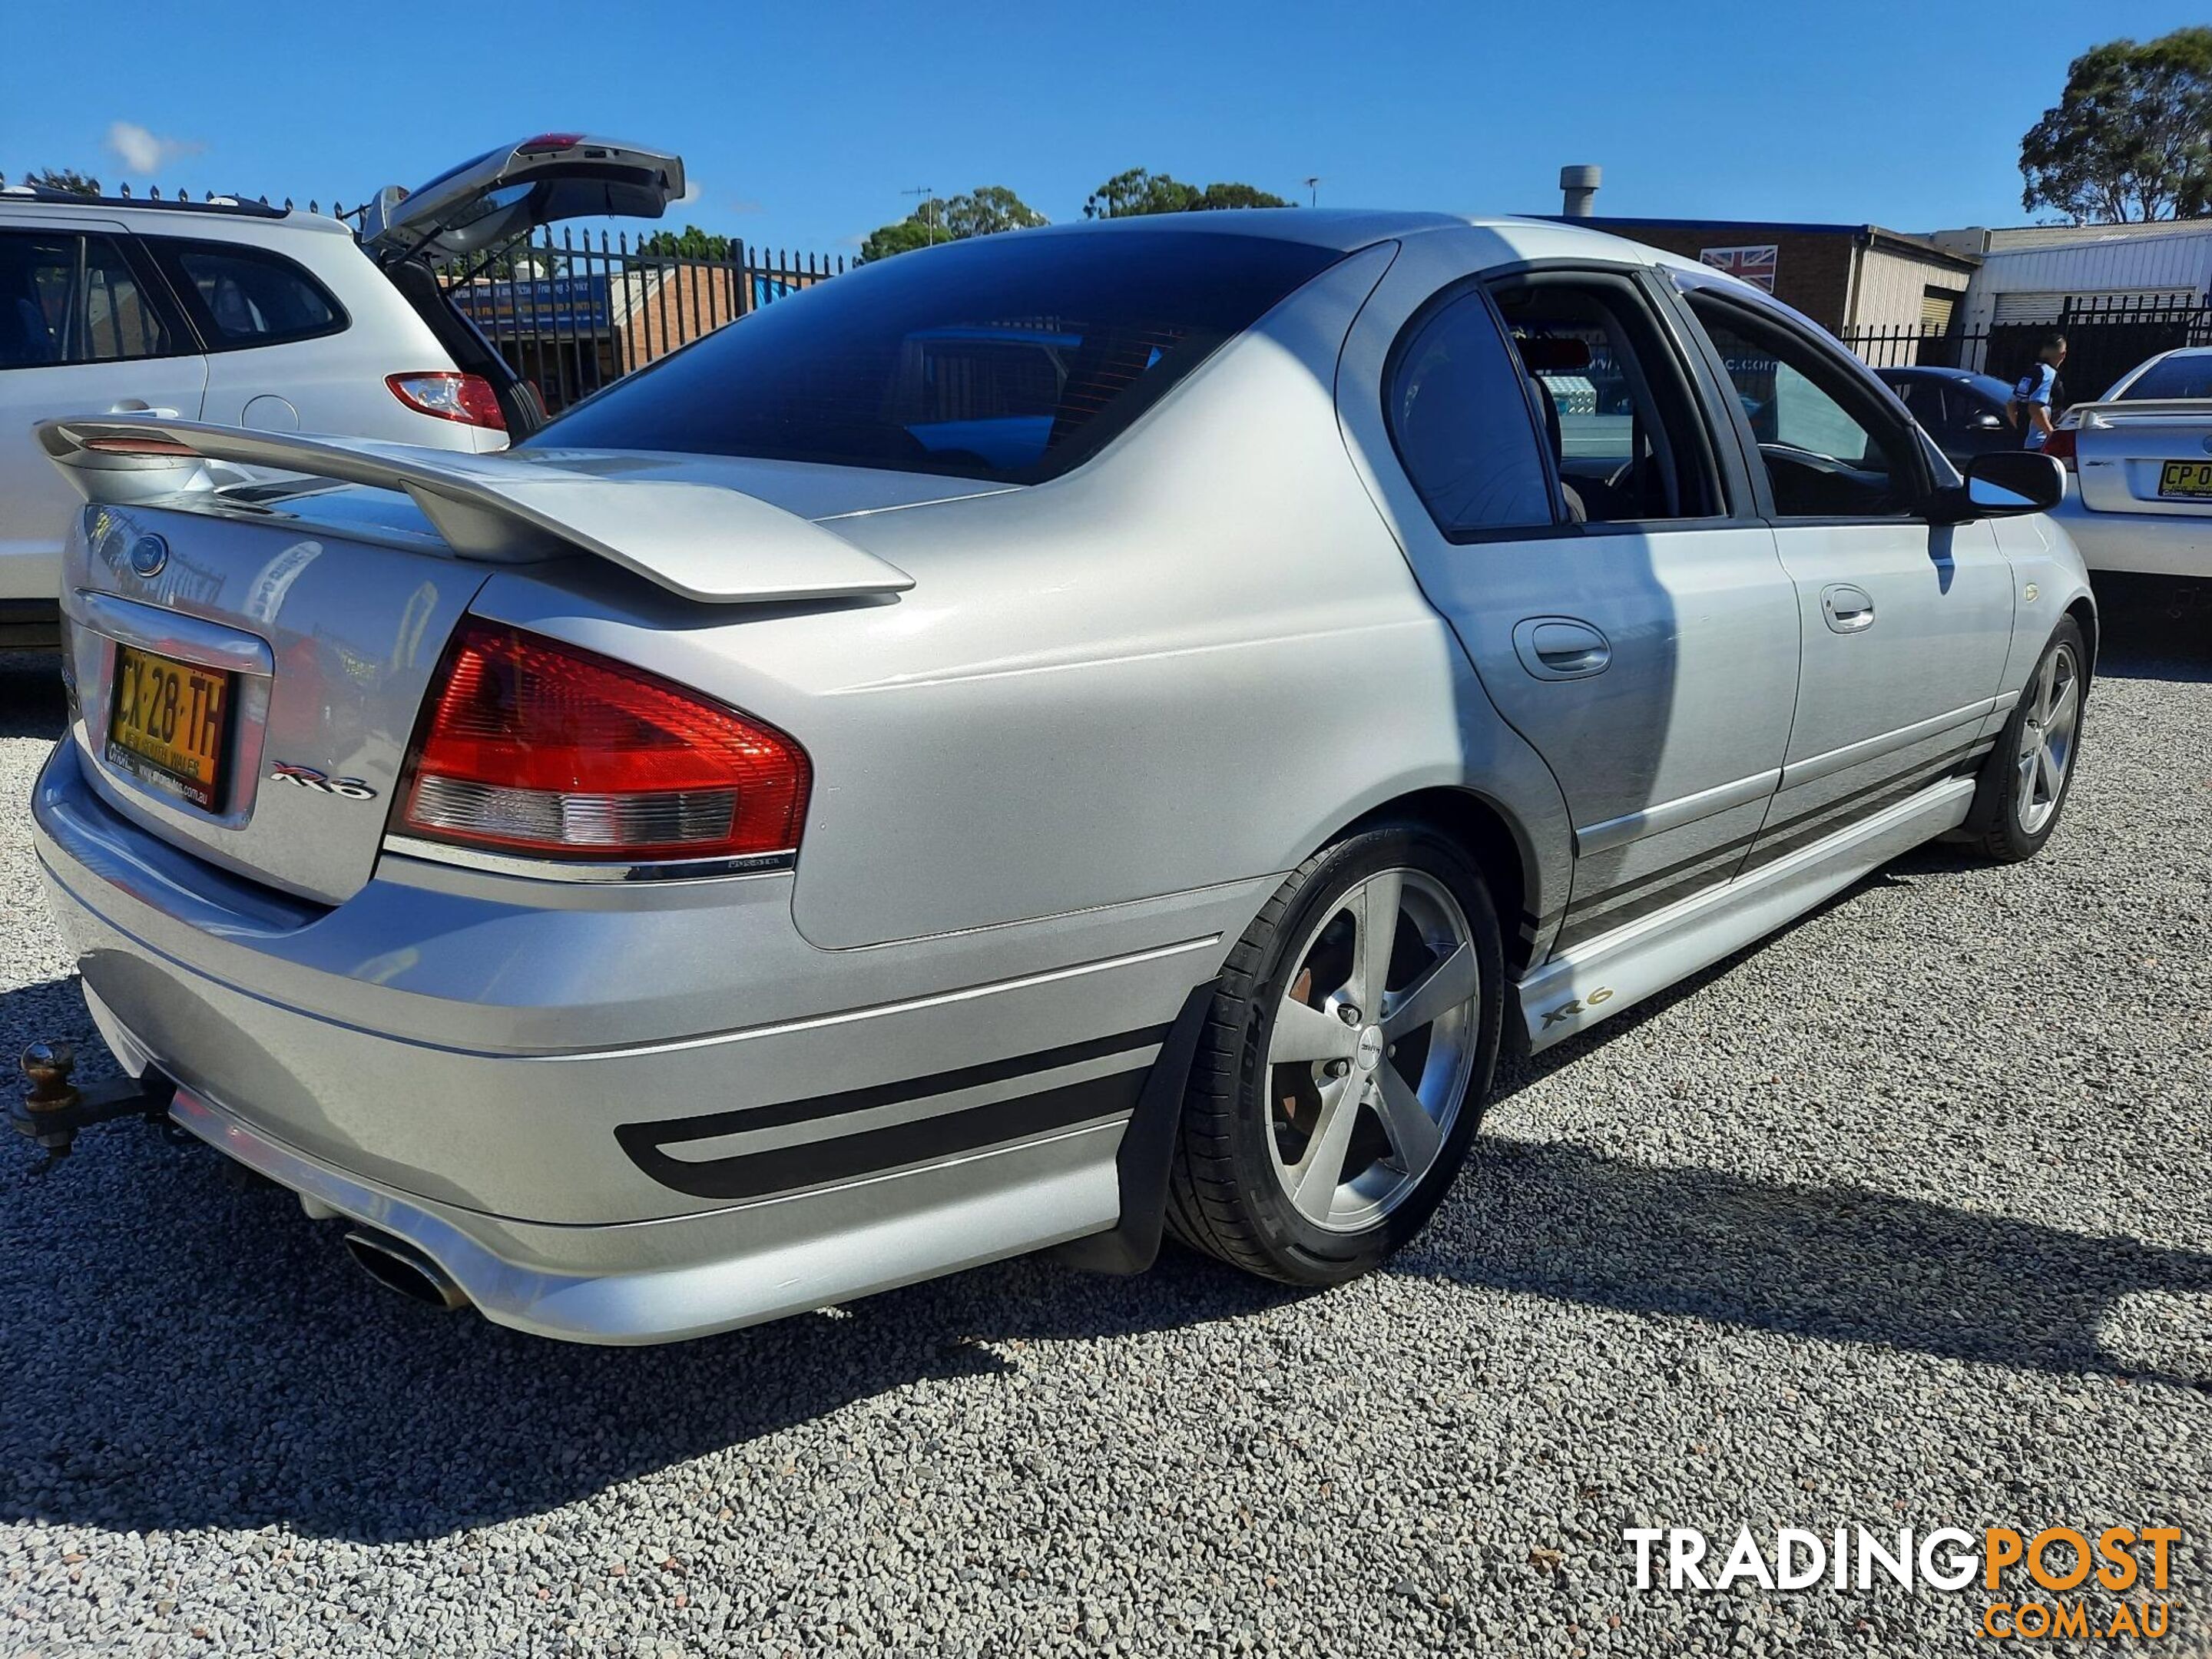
[[2146, 543], [647, 1180]]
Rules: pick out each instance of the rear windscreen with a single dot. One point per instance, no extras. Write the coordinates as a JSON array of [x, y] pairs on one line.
[[2173, 377], [1012, 357]]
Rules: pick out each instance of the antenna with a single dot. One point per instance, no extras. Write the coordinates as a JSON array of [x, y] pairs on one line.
[[925, 191]]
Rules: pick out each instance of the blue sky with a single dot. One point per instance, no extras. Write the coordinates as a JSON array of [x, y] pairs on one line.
[[802, 124]]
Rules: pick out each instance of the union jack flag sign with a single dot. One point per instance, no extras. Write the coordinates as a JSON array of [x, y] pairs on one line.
[[1754, 264]]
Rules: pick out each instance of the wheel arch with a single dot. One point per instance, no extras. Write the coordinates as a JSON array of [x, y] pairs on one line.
[[2083, 610], [1494, 838]]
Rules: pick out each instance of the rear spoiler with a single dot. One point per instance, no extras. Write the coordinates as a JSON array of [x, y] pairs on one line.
[[704, 542], [2145, 411]]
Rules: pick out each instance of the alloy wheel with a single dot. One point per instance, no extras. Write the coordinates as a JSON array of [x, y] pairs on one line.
[[1372, 1049], [2046, 740]]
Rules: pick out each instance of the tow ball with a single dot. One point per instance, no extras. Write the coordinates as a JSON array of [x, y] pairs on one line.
[[52, 1108]]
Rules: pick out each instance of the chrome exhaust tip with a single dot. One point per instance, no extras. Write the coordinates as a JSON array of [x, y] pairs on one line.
[[398, 1266]]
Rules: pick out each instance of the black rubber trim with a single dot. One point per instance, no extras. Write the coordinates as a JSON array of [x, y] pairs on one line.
[[842, 1157], [1141, 1166], [1617, 906]]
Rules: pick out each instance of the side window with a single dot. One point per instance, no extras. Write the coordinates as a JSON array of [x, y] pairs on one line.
[[1828, 448], [1459, 414], [1624, 427], [247, 296], [70, 299]]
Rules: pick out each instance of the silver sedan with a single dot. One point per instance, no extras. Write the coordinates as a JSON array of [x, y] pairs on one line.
[[1041, 742]]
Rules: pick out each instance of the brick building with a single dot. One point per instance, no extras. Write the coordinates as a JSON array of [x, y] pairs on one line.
[[1843, 276]]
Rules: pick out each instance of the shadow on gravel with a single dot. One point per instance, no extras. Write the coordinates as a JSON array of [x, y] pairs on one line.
[[1838, 1264], [183, 1353], [2154, 628]]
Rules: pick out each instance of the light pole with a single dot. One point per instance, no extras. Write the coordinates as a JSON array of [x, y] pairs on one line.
[[926, 192], [1313, 190]]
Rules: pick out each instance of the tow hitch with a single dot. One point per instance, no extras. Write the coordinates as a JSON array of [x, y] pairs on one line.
[[52, 1108]]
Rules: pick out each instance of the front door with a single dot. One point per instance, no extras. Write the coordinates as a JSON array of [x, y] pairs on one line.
[[1904, 624], [79, 335], [1561, 500]]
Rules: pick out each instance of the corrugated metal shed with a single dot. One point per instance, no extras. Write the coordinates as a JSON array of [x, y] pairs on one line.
[[2164, 261]]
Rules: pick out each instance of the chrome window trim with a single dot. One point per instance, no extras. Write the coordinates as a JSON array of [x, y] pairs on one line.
[[536, 869]]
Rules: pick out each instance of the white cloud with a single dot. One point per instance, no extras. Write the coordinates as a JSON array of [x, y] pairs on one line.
[[692, 191], [144, 152]]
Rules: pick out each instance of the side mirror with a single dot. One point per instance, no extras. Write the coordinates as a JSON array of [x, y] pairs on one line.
[[2001, 483]]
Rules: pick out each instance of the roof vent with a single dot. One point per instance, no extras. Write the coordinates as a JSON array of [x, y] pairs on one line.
[[1579, 187]]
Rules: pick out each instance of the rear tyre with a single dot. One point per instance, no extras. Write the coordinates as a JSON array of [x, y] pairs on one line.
[[2025, 782], [1342, 1070]]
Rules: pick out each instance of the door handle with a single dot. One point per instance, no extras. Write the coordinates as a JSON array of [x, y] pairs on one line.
[[1561, 647], [1846, 609], [139, 406]]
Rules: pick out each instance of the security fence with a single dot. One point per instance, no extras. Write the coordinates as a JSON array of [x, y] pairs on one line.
[[574, 314], [2104, 341]]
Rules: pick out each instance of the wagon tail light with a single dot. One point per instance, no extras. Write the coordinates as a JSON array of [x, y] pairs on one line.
[[535, 748], [467, 398], [2059, 446]]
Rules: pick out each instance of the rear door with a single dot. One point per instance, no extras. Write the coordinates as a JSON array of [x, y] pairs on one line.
[[1904, 625], [1562, 502], [84, 329]]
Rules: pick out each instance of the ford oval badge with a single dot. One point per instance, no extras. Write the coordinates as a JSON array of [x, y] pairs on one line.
[[149, 554]]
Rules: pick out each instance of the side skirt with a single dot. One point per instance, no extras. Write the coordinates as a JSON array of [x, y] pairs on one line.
[[1618, 969]]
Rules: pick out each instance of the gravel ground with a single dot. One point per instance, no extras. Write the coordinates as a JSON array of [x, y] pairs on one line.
[[1899, 1220]]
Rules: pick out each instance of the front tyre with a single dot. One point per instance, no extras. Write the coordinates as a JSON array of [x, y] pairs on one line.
[[1342, 1067], [2024, 783]]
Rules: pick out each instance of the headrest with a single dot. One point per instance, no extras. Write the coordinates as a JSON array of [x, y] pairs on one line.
[[1546, 354]]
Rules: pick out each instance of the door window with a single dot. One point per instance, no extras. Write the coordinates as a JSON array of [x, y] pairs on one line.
[[247, 296], [70, 299], [1459, 414], [1828, 448], [1623, 428]]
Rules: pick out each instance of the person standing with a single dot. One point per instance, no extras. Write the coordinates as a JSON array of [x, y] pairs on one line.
[[2031, 395]]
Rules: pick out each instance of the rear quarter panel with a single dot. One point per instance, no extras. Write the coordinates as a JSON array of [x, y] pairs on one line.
[[1186, 663]]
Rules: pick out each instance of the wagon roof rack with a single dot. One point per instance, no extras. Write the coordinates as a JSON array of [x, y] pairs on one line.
[[239, 205]]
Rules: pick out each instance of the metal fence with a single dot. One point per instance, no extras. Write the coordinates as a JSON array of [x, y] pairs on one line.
[[575, 313], [2104, 341]]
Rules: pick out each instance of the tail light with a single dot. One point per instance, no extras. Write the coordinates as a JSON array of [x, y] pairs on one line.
[[467, 398], [536, 747], [2059, 446]]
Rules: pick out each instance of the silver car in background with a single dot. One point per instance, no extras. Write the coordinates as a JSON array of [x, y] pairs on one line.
[[1034, 743], [2141, 457]]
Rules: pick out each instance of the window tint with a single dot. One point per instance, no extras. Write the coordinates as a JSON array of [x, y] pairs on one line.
[[68, 299], [1621, 423], [247, 296], [1012, 357], [1459, 414], [2173, 377], [1828, 452]]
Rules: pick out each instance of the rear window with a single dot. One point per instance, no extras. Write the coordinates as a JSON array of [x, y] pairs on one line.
[[2173, 377], [247, 296], [1012, 358]]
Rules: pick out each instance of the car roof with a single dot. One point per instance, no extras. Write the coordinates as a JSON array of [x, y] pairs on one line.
[[1349, 229], [164, 215]]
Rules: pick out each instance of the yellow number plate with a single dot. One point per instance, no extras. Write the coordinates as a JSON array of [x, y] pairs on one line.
[[168, 723], [2191, 479]]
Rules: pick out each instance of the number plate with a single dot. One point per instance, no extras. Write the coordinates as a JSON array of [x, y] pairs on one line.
[[170, 724], [2189, 480]]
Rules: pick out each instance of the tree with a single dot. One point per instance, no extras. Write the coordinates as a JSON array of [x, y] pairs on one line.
[[2132, 135], [68, 179], [691, 243], [982, 212], [1139, 191]]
